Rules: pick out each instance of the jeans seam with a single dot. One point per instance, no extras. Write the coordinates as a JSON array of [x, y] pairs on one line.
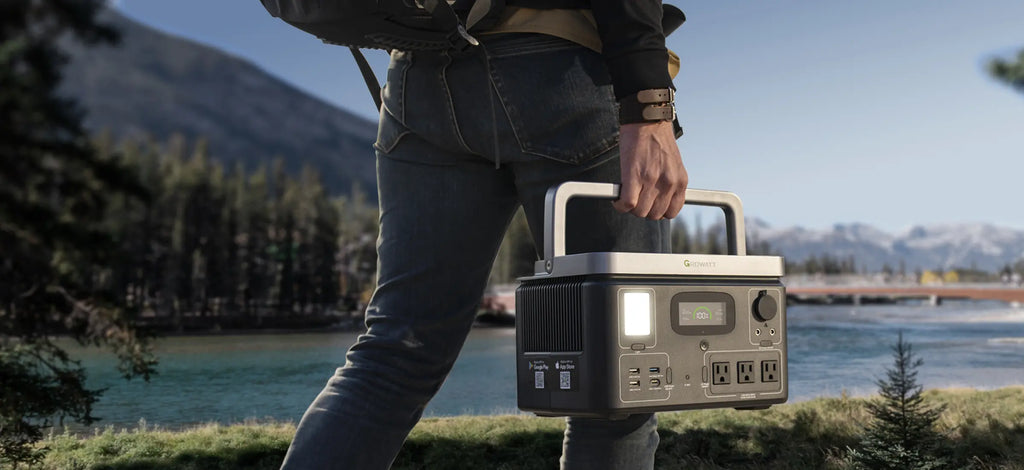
[[496, 82], [405, 79], [400, 92], [394, 143], [451, 104]]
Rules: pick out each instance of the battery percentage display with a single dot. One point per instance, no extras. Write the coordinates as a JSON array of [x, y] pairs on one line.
[[701, 313]]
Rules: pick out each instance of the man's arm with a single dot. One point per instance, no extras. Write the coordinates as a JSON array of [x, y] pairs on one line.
[[653, 177]]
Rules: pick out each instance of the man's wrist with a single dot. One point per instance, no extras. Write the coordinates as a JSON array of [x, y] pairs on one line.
[[651, 105]]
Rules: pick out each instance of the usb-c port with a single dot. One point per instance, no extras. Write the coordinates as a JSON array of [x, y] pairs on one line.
[[655, 383]]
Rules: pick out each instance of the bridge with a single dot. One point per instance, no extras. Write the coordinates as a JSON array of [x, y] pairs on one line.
[[889, 294], [504, 300]]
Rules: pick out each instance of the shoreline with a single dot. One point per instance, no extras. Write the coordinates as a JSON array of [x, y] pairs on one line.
[[979, 427], [144, 424], [285, 331]]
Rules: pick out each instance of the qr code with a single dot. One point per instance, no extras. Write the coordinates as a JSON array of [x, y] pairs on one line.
[[565, 380], [538, 379]]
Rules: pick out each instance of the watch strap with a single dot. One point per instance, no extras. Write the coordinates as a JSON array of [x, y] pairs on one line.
[[648, 106]]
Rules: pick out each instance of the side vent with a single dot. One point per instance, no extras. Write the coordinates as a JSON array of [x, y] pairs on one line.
[[550, 315]]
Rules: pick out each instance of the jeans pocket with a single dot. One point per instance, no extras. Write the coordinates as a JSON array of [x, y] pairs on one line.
[[557, 95], [393, 93], [389, 132], [391, 127]]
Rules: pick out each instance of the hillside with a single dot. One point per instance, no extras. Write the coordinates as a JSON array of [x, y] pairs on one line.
[[155, 85]]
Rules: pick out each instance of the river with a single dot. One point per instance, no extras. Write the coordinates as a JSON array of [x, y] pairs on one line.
[[832, 350]]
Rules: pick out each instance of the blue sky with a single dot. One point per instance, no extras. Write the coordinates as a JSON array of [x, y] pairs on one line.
[[815, 113]]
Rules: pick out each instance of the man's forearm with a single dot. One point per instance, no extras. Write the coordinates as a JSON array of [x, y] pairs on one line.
[[633, 44]]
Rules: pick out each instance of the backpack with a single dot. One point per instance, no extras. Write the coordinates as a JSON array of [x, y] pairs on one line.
[[385, 24], [406, 25]]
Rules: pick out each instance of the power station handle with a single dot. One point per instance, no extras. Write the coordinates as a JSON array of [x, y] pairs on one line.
[[558, 197]]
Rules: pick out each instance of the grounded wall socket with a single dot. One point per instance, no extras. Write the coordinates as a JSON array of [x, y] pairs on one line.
[[720, 373], [745, 372], [769, 371]]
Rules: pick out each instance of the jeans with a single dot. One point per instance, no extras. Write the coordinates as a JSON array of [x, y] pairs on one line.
[[464, 140]]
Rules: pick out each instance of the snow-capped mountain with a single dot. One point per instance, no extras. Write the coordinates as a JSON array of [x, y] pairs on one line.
[[981, 246]]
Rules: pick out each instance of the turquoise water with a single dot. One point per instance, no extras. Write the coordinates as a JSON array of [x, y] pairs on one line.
[[833, 349]]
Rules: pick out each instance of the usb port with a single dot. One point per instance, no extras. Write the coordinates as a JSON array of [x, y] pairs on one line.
[[655, 383], [634, 371], [654, 370], [634, 383]]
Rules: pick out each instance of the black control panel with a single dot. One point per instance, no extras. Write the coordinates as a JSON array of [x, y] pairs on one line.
[[626, 345]]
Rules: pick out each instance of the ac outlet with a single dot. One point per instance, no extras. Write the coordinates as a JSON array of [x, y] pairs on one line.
[[720, 373], [770, 371], [745, 372]]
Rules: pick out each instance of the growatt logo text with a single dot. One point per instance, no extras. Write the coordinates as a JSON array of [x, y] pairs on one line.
[[699, 264]]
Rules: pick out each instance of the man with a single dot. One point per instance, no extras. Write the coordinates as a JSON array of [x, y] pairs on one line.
[[466, 137]]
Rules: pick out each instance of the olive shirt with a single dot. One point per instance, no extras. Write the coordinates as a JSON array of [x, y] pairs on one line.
[[577, 26]]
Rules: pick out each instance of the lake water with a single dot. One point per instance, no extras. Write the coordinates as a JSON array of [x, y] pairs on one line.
[[832, 349]]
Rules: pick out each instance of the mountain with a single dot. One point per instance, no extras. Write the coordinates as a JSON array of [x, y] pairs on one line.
[[156, 85], [982, 246]]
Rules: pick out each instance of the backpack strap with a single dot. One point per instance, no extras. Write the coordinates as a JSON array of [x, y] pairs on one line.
[[479, 10], [444, 17], [368, 76], [447, 20]]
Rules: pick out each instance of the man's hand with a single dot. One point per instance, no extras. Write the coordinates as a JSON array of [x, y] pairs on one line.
[[653, 177]]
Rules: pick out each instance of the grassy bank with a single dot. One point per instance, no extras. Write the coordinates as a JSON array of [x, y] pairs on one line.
[[985, 430]]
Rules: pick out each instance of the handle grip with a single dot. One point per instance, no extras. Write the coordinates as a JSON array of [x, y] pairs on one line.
[[558, 197]]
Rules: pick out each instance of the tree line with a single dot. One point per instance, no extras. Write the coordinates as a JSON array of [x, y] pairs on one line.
[[234, 247]]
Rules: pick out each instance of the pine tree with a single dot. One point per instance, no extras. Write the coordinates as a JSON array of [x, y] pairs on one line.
[[324, 250], [258, 268], [357, 247], [56, 254], [713, 245], [902, 433], [1009, 72], [680, 237]]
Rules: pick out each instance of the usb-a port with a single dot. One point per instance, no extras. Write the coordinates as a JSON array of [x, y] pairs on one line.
[[634, 383], [634, 371], [654, 370]]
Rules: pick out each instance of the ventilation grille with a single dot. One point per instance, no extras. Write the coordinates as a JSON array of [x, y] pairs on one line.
[[551, 315]]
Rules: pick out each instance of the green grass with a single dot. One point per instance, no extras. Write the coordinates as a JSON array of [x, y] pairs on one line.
[[985, 431]]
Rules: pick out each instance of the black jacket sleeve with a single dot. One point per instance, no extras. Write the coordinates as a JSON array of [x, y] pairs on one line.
[[633, 44]]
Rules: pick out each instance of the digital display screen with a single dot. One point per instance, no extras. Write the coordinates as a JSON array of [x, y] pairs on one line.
[[701, 313]]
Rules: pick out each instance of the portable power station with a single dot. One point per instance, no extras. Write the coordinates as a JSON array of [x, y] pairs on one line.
[[613, 334]]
